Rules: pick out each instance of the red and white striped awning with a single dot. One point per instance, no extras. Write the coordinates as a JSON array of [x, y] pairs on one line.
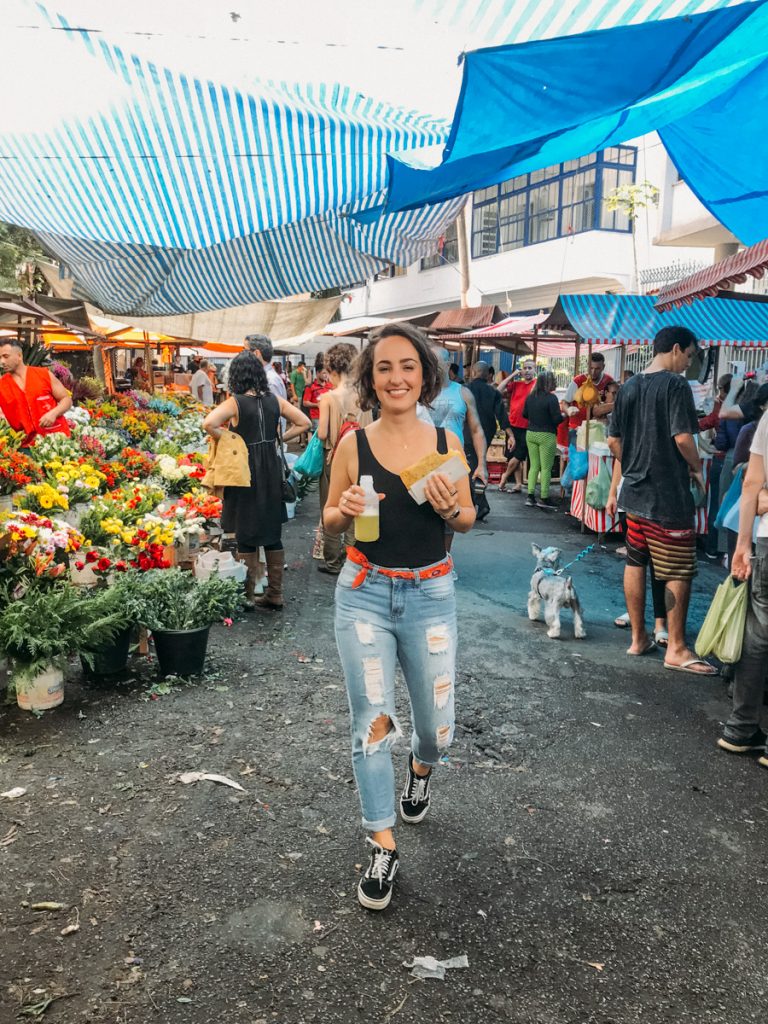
[[511, 327], [751, 262]]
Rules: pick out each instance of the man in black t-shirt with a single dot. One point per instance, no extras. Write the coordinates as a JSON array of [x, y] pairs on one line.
[[652, 440], [490, 412]]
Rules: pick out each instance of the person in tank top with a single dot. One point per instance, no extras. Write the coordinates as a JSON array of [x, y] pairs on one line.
[[394, 597], [339, 411]]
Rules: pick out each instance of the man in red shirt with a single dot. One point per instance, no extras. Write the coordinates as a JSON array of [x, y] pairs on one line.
[[516, 389], [601, 380], [31, 398], [312, 395]]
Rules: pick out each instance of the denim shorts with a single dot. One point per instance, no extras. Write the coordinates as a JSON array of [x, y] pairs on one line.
[[380, 624]]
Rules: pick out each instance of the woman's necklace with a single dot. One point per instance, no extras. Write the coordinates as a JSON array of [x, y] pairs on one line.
[[395, 442]]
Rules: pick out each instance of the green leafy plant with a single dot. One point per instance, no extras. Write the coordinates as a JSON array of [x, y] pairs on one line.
[[630, 200], [46, 624], [170, 599], [36, 353], [88, 388]]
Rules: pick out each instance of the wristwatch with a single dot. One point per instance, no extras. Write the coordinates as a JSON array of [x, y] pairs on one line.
[[456, 512]]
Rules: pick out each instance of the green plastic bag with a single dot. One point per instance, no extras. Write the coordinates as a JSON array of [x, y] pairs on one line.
[[310, 462], [722, 631], [598, 488]]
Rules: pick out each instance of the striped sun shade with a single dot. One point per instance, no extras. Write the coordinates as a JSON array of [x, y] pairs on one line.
[[161, 190], [633, 320]]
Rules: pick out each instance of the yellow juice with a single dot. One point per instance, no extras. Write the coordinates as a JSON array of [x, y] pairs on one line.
[[367, 528]]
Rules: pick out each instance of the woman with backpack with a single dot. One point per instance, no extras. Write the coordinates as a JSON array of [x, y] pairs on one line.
[[340, 412]]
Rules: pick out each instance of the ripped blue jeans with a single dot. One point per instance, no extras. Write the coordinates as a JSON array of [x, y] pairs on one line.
[[380, 623]]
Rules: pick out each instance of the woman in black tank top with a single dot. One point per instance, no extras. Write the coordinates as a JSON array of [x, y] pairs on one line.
[[394, 596]]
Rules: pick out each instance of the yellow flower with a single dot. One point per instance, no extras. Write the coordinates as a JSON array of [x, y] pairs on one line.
[[45, 501]]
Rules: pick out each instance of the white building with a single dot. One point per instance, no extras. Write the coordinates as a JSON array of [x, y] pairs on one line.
[[549, 232]]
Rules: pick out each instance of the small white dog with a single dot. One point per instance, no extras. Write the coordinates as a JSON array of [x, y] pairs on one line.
[[556, 592]]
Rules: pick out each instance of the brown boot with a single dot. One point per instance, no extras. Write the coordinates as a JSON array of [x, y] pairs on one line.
[[273, 597], [255, 573]]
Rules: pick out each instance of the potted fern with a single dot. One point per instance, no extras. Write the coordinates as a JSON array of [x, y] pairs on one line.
[[179, 610], [107, 653], [41, 628]]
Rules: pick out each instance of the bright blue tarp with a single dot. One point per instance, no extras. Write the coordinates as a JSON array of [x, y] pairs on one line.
[[633, 320], [701, 81]]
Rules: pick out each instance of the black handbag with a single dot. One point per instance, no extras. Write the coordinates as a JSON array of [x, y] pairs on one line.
[[288, 489]]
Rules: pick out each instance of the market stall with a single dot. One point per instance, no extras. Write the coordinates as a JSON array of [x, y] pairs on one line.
[[632, 320], [95, 528]]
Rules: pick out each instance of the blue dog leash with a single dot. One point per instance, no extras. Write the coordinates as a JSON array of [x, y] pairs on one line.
[[580, 555]]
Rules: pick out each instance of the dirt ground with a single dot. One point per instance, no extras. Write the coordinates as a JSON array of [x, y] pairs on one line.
[[588, 849]]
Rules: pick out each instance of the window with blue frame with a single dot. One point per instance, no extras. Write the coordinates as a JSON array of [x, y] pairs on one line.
[[551, 203]]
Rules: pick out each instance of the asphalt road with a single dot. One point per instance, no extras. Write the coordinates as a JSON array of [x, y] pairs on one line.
[[588, 849]]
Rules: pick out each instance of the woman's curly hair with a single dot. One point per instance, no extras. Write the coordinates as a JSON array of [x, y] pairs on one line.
[[340, 358], [247, 374], [430, 366]]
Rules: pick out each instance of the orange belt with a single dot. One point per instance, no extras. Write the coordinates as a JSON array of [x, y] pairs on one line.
[[432, 573]]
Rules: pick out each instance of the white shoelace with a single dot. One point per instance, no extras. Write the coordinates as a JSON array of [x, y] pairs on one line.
[[382, 860], [419, 790]]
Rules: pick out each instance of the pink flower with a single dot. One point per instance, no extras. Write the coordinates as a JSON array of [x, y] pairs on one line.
[[227, 622]]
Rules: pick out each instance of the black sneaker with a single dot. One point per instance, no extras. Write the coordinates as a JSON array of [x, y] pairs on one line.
[[374, 891], [414, 803], [546, 503], [743, 746], [531, 501]]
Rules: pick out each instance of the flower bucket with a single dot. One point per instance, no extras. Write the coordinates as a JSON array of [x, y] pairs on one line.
[[71, 516], [112, 659], [170, 552], [181, 652], [6, 503], [290, 509], [39, 692], [84, 577]]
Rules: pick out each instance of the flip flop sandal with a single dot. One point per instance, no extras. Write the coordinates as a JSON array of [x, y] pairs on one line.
[[622, 622], [687, 666], [638, 654], [661, 636], [503, 488]]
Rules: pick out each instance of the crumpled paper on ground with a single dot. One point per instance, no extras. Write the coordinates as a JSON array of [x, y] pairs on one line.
[[189, 777], [428, 967]]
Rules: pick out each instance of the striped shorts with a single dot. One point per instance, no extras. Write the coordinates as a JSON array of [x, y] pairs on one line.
[[671, 553]]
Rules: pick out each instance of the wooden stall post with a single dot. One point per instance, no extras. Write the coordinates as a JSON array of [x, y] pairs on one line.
[[148, 363]]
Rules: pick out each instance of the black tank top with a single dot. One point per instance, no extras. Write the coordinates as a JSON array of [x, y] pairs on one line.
[[410, 535]]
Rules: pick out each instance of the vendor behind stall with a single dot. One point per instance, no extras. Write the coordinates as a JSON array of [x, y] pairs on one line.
[[32, 400]]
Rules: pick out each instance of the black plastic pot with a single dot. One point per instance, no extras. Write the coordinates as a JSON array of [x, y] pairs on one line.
[[181, 652], [108, 661]]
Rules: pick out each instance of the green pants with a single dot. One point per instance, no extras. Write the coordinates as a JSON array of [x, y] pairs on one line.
[[542, 447]]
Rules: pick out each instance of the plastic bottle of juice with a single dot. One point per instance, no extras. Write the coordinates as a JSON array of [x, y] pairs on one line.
[[367, 524]]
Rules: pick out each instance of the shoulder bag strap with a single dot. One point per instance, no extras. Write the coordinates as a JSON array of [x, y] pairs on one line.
[[286, 470]]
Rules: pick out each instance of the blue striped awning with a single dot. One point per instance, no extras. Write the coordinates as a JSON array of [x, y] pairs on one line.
[[633, 320], [167, 178]]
